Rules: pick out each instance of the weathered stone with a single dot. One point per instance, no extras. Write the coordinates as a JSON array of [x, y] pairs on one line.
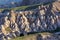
[[38, 20]]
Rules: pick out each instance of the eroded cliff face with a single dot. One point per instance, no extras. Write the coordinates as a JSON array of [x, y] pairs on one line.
[[43, 18]]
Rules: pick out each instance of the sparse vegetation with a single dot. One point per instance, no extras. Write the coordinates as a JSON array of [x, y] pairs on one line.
[[31, 36], [8, 29]]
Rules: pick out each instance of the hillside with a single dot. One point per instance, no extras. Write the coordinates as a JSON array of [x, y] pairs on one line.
[[39, 36], [27, 7], [20, 22], [17, 3]]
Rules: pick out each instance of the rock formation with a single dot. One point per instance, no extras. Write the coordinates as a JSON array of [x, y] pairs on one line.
[[44, 18]]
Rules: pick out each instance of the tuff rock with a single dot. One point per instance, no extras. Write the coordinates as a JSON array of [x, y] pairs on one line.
[[43, 18]]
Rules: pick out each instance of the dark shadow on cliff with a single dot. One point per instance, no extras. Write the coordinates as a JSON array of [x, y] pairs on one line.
[[48, 14]]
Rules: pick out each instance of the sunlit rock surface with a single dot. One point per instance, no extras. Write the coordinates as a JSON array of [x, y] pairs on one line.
[[44, 18]]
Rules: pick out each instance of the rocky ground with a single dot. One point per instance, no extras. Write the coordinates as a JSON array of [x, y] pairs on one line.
[[42, 19], [39, 36]]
